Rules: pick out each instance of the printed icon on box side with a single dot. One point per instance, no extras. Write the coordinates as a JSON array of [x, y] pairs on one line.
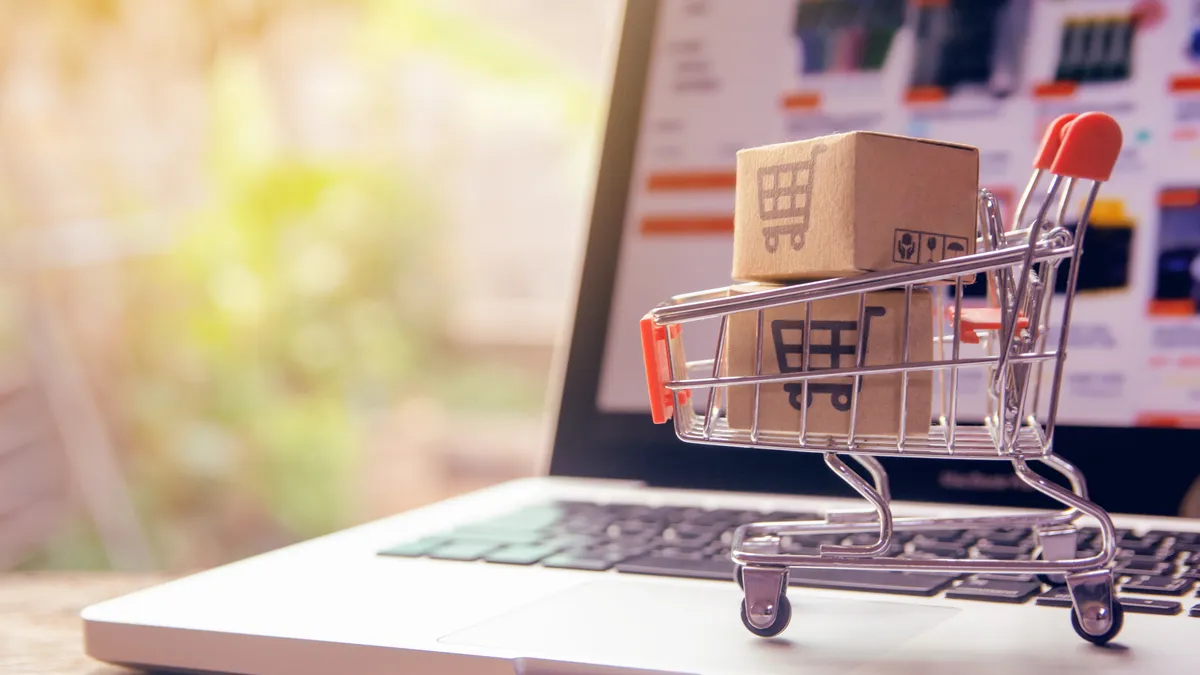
[[836, 348], [916, 248], [906, 246], [931, 247], [785, 192]]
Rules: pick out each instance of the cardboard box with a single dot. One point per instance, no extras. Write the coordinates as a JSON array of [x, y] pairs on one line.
[[849, 203], [834, 327]]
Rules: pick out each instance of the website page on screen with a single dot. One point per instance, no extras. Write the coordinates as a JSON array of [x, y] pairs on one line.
[[989, 73]]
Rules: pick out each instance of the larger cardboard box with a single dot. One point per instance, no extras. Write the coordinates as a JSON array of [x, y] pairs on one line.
[[849, 203], [834, 344]]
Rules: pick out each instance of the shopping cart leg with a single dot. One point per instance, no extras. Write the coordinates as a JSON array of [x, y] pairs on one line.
[[765, 609], [1057, 542], [1095, 613]]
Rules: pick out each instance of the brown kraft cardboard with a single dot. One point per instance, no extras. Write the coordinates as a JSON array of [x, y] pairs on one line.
[[849, 203], [834, 328]]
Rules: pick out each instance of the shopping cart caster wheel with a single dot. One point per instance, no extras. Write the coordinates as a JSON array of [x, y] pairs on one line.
[[1052, 579], [783, 616], [1117, 620], [737, 576]]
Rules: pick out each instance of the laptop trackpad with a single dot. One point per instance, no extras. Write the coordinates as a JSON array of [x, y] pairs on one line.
[[687, 627]]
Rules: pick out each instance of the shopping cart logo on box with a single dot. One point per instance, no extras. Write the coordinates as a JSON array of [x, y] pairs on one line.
[[836, 348], [785, 192]]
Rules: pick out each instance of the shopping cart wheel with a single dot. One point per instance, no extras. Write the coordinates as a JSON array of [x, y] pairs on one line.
[[783, 616], [737, 576], [1052, 579], [1118, 618]]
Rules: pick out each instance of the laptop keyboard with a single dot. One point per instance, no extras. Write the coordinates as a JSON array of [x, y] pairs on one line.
[[693, 543]]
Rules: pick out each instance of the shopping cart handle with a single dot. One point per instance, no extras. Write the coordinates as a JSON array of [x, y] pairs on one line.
[[1052, 141], [1081, 146], [978, 319], [655, 354]]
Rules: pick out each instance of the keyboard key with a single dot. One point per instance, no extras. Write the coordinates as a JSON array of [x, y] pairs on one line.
[[571, 541], [704, 568], [1184, 541], [1156, 555], [1001, 552], [1194, 612], [1148, 606], [1158, 585], [497, 536], [633, 528], [1190, 543], [688, 539], [940, 549], [994, 591], [1141, 568], [414, 549], [693, 527], [1058, 596], [714, 518], [521, 554], [617, 549], [1028, 578], [1009, 537], [583, 526], [680, 553], [955, 536], [462, 550], [583, 560], [1189, 573], [1140, 545], [876, 581]]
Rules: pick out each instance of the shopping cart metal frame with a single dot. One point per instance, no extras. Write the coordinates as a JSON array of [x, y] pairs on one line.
[[1020, 266]]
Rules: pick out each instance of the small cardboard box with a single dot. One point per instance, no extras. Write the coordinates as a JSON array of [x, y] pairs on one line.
[[834, 328], [849, 203]]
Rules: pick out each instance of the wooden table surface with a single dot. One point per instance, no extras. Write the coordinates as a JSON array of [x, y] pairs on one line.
[[40, 628]]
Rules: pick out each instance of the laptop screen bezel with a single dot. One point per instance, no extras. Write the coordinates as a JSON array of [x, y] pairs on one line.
[[591, 443]]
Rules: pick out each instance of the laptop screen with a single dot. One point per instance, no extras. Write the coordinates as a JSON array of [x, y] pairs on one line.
[[720, 75]]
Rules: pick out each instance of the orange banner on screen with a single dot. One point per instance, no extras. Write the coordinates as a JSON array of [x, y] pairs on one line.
[[1180, 307], [1167, 420], [925, 95], [683, 225], [1055, 89], [1184, 84], [1184, 198], [691, 180], [801, 100]]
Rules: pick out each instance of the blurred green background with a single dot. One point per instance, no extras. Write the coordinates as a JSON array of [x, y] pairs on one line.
[[281, 266]]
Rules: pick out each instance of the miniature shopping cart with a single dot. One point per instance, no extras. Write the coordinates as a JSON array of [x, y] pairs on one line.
[[1009, 341]]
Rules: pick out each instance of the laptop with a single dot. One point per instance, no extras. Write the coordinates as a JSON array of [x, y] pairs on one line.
[[617, 560]]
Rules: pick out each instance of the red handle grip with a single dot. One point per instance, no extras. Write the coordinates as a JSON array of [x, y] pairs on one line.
[[1052, 141], [655, 355], [1081, 146]]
